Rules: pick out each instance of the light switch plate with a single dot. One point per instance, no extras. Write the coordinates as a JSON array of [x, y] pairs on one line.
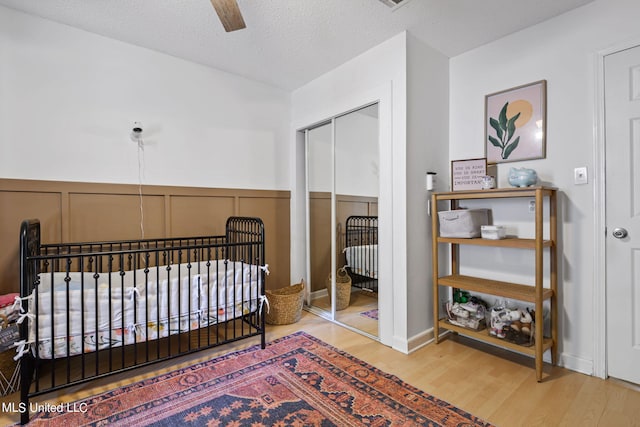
[[580, 175]]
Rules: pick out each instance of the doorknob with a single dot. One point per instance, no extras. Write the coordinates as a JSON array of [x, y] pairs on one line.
[[620, 233]]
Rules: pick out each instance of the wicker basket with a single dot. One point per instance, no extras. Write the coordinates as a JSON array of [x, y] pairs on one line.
[[285, 304], [343, 289]]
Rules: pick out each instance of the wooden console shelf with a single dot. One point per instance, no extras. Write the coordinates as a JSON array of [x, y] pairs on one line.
[[534, 293]]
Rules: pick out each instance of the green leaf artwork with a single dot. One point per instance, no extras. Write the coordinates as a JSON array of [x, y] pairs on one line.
[[505, 128]]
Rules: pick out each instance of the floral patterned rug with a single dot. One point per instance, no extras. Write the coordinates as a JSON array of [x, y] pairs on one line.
[[297, 380]]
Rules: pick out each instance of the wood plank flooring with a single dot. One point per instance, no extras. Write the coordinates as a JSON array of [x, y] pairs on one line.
[[496, 385], [359, 302]]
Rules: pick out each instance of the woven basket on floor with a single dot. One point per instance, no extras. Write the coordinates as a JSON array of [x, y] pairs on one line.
[[343, 289], [285, 304]]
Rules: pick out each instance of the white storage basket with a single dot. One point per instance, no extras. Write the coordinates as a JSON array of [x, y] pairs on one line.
[[464, 223]]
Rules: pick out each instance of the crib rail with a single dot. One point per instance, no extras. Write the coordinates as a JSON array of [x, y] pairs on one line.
[[362, 231], [219, 278]]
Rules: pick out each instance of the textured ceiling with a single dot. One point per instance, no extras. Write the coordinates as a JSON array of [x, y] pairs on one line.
[[288, 43]]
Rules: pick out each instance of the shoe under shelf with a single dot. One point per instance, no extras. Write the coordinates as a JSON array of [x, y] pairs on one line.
[[484, 336], [494, 287]]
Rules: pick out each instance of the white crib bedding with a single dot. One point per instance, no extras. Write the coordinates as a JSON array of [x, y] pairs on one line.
[[363, 260], [152, 307]]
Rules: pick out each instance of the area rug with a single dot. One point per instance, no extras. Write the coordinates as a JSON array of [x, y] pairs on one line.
[[372, 314], [297, 380]]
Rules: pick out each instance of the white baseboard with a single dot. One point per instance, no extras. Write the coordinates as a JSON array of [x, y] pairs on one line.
[[319, 294], [567, 361], [413, 343], [400, 345], [575, 363]]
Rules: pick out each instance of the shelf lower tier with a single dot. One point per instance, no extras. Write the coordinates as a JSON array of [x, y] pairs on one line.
[[508, 242], [483, 335], [494, 287]]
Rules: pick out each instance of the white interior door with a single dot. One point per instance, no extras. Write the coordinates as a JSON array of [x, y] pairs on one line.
[[622, 133]]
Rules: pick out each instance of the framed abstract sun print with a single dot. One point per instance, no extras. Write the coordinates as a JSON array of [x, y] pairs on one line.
[[515, 123]]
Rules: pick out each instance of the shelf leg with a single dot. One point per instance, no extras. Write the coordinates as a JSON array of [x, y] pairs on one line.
[[435, 273], [539, 327], [553, 250]]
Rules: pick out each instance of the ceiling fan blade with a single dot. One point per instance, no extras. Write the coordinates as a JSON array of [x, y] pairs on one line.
[[229, 14]]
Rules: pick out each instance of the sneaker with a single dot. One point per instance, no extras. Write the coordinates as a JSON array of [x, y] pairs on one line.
[[470, 306], [476, 310], [459, 311]]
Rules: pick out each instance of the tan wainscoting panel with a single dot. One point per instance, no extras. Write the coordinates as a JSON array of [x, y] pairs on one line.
[[319, 239], [275, 214], [16, 206], [200, 215], [100, 217], [76, 211], [320, 230]]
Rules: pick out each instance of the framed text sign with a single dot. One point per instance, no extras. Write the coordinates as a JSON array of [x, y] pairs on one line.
[[468, 174]]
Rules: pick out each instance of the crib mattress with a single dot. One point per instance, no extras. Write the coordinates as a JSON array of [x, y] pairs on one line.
[[84, 312], [363, 260]]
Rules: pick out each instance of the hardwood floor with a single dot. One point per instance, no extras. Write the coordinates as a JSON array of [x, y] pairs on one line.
[[496, 385], [360, 301]]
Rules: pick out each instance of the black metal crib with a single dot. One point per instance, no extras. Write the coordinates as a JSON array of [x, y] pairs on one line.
[[98, 308]]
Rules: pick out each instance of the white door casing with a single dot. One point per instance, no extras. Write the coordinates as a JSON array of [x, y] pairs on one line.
[[622, 189]]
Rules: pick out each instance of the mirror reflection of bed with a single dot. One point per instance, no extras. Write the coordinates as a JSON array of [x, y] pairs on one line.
[[359, 255], [342, 168], [357, 252]]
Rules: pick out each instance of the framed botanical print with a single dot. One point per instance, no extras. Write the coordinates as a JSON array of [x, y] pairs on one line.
[[515, 123]]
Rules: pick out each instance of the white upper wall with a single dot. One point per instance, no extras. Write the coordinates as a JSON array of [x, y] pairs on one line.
[[562, 51], [68, 100], [427, 151]]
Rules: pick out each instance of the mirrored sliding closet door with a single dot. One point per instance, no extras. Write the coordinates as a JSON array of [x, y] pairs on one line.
[[319, 152], [342, 195]]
